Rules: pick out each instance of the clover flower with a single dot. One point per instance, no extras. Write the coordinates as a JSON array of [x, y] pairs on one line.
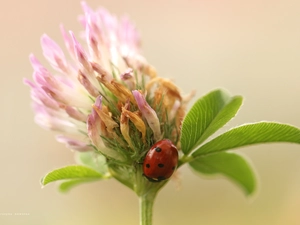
[[109, 105], [105, 96]]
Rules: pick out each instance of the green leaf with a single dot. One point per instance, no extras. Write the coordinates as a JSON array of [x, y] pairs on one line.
[[230, 165], [71, 172], [67, 185], [249, 134], [207, 115]]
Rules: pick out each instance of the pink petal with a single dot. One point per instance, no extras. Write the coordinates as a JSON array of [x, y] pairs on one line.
[[128, 78], [87, 84], [98, 102], [74, 113], [91, 20], [29, 83], [86, 9], [68, 42], [55, 95], [53, 122], [74, 144], [92, 42], [102, 72], [46, 79], [93, 127], [148, 113], [80, 54], [38, 94], [41, 75], [54, 54], [36, 65], [128, 34]]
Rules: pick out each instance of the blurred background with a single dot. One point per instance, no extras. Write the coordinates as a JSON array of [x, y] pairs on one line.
[[251, 48]]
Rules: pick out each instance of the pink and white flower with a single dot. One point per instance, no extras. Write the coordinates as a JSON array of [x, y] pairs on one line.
[[96, 95]]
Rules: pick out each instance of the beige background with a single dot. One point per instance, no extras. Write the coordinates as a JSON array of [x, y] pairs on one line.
[[251, 48]]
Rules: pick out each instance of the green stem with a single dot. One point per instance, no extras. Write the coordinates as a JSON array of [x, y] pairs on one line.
[[184, 159], [146, 208]]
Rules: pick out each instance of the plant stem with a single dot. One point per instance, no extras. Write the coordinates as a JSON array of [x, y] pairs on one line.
[[184, 159], [146, 208]]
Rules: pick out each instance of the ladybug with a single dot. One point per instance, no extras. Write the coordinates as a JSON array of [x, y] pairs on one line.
[[160, 161]]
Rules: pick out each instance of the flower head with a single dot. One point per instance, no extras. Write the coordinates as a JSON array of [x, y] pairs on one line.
[[104, 96]]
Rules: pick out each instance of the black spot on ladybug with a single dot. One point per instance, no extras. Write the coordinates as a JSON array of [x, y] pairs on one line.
[[160, 165], [157, 149], [148, 165], [173, 168]]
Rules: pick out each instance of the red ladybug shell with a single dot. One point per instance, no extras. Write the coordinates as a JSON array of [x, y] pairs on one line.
[[160, 161]]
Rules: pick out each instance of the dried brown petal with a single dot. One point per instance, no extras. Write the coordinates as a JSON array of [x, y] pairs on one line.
[[137, 121]]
